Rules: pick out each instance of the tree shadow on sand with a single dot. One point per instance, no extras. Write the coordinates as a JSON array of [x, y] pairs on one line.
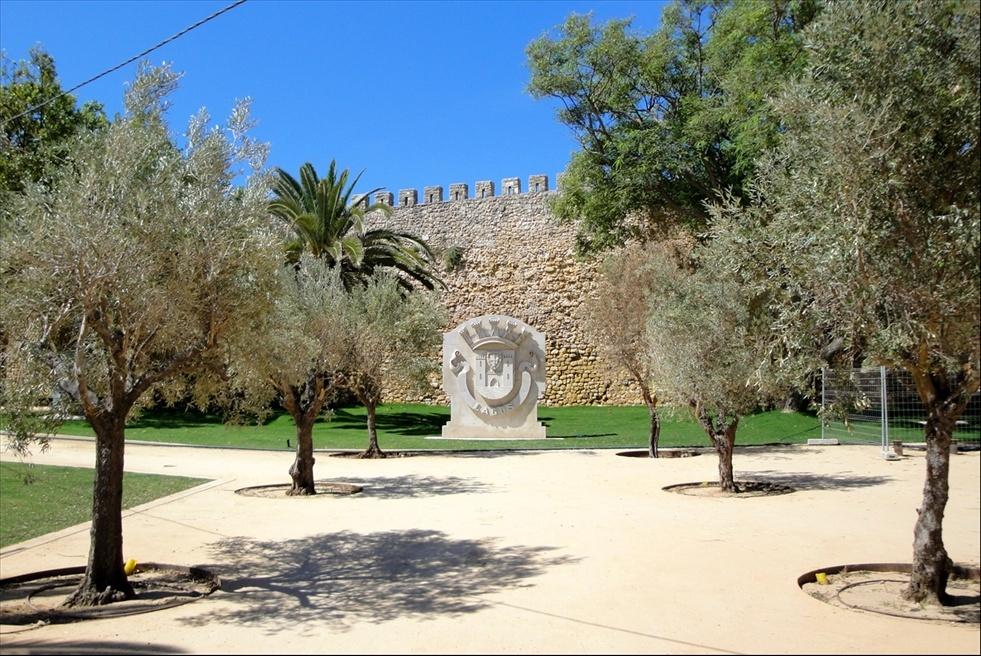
[[340, 579], [811, 481], [489, 452], [413, 486], [406, 423], [87, 647]]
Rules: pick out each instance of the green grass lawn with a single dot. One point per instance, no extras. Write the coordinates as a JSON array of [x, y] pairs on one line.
[[406, 426], [904, 429], [39, 499]]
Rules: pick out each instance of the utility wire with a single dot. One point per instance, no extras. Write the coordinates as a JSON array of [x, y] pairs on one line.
[[129, 61]]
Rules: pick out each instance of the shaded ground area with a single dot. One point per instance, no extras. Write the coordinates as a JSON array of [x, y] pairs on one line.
[[662, 453], [420, 422], [414, 486], [347, 577], [91, 647], [409, 486]]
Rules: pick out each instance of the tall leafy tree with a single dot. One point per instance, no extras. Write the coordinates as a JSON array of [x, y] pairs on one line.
[[329, 224], [865, 221], [32, 143], [132, 275], [669, 120]]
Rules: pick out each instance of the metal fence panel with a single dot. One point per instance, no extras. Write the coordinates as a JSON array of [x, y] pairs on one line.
[[879, 405]]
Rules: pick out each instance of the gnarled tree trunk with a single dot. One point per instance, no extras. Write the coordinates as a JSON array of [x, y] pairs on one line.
[[301, 471], [104, 580], [722, 434], [655, 433], [304, 404], [931, 564], [945, 396], [373, 450], [724, 440]]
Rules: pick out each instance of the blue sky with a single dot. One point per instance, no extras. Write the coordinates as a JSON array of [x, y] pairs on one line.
[[414, 93]]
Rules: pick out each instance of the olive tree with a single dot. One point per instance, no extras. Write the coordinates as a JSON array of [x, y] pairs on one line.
[[704, 334], [865, 221], [131, 276], [389, 337], [300, 354]]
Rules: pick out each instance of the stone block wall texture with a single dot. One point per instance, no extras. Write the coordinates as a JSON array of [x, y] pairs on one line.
[[518, 260]]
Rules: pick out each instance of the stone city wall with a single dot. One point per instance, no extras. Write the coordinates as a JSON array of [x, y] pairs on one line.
[[515, 259]]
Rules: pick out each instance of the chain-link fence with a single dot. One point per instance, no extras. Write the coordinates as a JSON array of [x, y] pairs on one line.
[[879, 405]]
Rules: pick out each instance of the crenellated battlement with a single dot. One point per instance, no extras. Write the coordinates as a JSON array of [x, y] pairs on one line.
[[459, 191], [500, 251]]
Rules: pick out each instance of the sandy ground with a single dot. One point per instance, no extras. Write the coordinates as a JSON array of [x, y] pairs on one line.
[[535, 552]]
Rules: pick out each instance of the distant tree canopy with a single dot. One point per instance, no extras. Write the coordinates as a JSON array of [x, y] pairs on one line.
[[666, 121], [32, 143]]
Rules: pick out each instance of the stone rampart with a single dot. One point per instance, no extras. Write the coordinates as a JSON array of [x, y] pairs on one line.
[[510, 255]]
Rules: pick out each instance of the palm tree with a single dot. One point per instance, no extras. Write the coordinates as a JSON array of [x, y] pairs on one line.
[[328, 221]]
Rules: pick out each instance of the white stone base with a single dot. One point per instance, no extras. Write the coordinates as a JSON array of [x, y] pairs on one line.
[[822, 441], [483, 439], [471, 430]]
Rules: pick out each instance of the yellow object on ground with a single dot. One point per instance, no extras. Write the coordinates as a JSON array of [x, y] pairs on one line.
[[822, 578], [130, 566]]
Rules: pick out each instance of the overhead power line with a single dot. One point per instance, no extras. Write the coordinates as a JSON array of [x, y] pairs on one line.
[[130, 60]]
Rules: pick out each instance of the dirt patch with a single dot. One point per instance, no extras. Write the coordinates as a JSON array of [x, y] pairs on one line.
[[744, 489], [37, 597], [278, 491], [878, 587], [661, 453]]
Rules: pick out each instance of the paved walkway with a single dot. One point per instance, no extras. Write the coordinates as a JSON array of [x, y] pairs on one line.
[[531, 552]]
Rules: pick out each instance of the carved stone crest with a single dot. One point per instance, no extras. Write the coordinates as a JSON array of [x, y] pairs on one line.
[[494, 374]]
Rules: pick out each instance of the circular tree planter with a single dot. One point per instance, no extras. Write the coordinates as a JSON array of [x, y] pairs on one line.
[[877, 588], [744, 489], [356, 455], [279, 490], [661, 453], [37, 596]]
